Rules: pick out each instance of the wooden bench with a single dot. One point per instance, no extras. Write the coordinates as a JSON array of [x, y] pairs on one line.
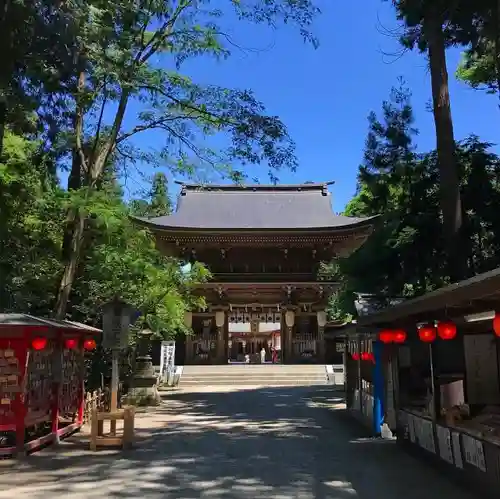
[[99, 439]]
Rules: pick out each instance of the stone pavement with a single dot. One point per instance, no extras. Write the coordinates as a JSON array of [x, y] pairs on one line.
[[262, 443]]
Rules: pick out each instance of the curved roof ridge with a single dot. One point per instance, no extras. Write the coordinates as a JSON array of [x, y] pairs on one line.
[[254, 187]]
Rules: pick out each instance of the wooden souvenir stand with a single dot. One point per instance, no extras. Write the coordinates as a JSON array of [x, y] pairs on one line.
[[41, 380]]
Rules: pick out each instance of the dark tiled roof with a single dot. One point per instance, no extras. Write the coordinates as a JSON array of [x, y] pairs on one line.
[[255, 207], [19, 320]]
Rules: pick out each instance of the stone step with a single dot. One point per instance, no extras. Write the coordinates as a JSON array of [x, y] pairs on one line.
[[253, 369], [242, 378], [253, 382], [254, 375]]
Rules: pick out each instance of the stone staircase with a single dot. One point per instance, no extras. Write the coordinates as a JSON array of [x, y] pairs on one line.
[[254, 375]]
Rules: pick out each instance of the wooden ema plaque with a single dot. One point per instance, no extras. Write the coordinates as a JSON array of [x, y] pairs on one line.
[[39, 393], [71, 384], [12, 359]]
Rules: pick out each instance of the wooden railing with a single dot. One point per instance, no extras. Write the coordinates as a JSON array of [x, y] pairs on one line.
[[99, 399]]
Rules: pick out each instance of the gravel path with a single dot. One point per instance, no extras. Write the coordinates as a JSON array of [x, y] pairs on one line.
[[262, 443]]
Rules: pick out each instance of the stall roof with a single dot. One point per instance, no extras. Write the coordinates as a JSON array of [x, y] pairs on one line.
[[479, 293], [20, 320]]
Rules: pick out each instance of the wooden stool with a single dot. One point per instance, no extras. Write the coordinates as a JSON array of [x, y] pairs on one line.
[[97, 437]]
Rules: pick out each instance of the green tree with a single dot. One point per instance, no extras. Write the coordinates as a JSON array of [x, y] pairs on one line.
[[406, 254], [480, 65], [31, 217], [157, 202], [431, 26], [118, 46]]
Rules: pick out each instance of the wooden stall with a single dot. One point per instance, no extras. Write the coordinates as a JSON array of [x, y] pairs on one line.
[[446, 388], [41, 380]]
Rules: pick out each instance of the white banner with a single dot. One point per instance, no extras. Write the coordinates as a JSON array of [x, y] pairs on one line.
[[167, 358]]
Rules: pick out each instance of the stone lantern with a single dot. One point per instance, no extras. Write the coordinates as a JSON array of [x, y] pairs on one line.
[[143, 389]]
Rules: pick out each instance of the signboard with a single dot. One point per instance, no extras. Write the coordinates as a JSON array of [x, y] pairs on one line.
[[481, 364], [424, 434], [116, 324], [167, 358], [445, 444], [474, 452]]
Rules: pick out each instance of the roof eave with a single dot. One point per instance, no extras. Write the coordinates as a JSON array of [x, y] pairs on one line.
[[362, 224]]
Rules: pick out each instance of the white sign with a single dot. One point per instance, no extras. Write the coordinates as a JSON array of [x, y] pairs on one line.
[[424, 434], [474, 452], [167, 358], [444, 441]]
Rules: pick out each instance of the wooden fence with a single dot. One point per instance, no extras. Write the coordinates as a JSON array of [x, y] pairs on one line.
[[98, 399]]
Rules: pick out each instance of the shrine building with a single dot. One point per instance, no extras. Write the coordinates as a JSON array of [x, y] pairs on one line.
[[263, 245]]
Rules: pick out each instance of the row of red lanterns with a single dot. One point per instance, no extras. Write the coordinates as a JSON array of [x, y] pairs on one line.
[[427, 333], [367, 356], [70, 343]]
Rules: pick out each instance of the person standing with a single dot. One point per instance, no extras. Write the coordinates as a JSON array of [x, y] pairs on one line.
[[263, 355], [274, 355]]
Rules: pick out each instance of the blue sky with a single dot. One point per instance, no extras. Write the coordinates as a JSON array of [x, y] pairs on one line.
[[325, 95]]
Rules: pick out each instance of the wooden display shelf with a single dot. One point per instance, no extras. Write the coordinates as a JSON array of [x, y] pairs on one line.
[[99, 439]]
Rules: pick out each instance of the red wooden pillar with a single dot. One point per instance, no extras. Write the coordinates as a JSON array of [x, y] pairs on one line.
[[21, 409], [57, 373], [81, 390]]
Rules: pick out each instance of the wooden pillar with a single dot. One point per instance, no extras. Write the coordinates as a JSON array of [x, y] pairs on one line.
[[320, 345], [286, 334], [221, 347]]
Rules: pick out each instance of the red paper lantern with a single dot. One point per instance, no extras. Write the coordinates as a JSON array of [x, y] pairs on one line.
[[39, 343], [89, 344], [355, 356], [427, 334], [446, 330], [399, 336], [71, 343], [496, 324], [386, 337], [365, 356]]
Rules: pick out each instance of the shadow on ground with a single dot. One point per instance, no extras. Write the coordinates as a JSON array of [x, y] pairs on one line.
[[265, 443]]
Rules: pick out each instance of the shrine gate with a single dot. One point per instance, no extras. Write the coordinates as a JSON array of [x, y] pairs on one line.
[[263, 245]]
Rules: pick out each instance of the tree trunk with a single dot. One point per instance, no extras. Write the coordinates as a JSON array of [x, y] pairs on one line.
[[69, 274], [451, 203], [497, 47]]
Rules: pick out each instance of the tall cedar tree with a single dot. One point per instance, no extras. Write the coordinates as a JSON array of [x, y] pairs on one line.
[[431, 26]]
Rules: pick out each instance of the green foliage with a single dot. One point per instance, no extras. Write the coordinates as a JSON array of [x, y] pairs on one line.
[[406, 254], [117, 257], [480, 66]]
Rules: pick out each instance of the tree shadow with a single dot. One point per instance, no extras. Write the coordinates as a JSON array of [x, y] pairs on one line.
[[265, 443]]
